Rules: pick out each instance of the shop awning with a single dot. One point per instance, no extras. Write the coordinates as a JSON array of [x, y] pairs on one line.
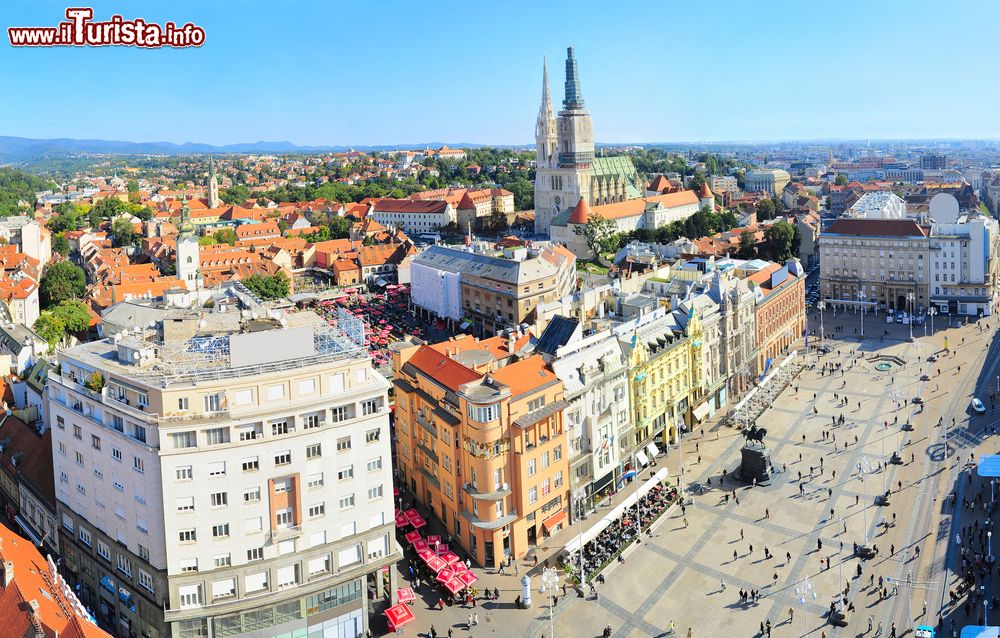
[[642, 458], [702, 411], [653, 450], [27, 529], [554, 521]]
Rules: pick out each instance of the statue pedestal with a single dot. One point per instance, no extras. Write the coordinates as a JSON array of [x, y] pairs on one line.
[[755, 464]]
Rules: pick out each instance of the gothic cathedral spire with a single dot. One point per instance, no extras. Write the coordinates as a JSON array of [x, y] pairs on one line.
[[545, 126], [574, 96]]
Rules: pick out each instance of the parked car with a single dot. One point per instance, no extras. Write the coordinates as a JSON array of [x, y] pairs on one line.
[[978, 407], [932, 358]]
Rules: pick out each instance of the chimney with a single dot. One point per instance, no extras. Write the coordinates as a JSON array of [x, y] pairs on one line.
[[7, 573], [510, 343]]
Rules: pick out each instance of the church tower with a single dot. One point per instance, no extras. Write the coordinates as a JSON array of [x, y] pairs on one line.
[[188, 260], [562, 177], [213, 185]]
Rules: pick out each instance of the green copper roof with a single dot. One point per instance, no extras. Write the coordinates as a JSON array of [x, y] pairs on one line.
[[619, 166]]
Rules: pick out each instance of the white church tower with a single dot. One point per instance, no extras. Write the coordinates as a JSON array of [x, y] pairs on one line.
[[563, 177], [213, 185], [188, 259]]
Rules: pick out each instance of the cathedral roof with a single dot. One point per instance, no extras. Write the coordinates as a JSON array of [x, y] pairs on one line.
[[581, 212]]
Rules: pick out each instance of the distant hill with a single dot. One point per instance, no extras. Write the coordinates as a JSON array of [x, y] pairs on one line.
[[23, 149]]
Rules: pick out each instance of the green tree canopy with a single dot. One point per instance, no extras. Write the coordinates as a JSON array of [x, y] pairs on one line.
[[225, 236], [73, 315], [122, 232], [61, 281], [50, 327], [748, 248], [17, 190], [840, 180], [765, 209], [108, 208], [779, 241], [268, 286], [60, 244], [237, 194], [601, 234]]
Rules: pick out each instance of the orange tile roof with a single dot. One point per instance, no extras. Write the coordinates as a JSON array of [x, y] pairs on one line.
[[34, 584], [526, 375], [442, 369]]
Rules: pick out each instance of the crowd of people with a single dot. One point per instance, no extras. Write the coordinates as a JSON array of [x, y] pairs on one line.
[[614, 538]]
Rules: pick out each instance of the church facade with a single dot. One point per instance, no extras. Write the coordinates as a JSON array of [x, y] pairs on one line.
[[566, 168]]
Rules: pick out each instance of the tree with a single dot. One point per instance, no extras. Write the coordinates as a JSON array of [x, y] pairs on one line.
[[95, 382], [236, 194], [60, 244], [601, 234], [340, 228], [108, 208], [61, 281], [696, 181], [132, 186], [765, 209], [50, 327], [778, 240], [268, 286], [748, 248], [74, 316], [122, 232], [840, 180], [225, 236]]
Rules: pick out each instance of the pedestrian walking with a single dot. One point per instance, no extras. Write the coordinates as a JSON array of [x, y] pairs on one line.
[[741, 533], [685, 523], [469, 624], [791, 614], [767, 513], [723, 584]]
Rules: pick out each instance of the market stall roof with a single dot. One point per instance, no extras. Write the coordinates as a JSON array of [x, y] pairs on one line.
[[398, 616]]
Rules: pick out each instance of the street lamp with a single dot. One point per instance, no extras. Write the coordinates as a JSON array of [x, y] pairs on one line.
[[580, 494], [862, 296], [911, 298], [803, 590], [822, 306], [864, 467], [989, 547], [932, 311], [550, 580]]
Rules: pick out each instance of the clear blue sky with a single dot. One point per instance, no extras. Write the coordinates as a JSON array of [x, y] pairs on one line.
[[387, 72]]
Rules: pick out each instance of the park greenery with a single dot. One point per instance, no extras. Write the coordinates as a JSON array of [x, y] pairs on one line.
[[268, 286], [61, 281]]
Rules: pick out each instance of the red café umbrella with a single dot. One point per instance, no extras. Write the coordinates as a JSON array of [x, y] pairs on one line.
[[435, 563], [402, 521], [445, 575], [467, 578], [426, 555], [412, 537], [418, 522], [451, 558], [454, 585], [420, 544], [398, 616], [442, 548], [405, 595], [433, 539], [410, 513], [458, 567]]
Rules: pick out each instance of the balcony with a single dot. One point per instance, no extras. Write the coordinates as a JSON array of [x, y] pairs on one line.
[[475, 521], [428, 452], [284, 533], [426, 424], [433, 480], [495, 495]]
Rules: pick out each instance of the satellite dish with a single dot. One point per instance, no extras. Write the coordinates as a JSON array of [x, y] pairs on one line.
[[135, 355]]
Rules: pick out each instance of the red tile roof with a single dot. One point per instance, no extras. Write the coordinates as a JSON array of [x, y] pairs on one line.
[[581, 213], [877, 228]]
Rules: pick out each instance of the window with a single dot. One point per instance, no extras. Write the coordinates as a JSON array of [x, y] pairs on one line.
[[219, 499], [63, 477], [283, 458], [307, 386], [60, 423], [546, 487], [62, 448], [118, 485], [557, 453], [138, 432], [184, 473], [144, 553], [243, 397], [190, 596], [187, 536], [315, 480], [532, 467], [536, 404], [116, 454], [223, 560], [346, 502], [340, 413], [184, 439], [182, 403], [484, 414], [252, 495], [185, 504], [104, 550], [124, 565], [314, 451], [251, 464], [344, 444], [189, 564], [146, 581], [279, 427], [336, 383], [283, 517], [532, 494], [217, 436], [545, 460], [369, 407], [138, 464], [374, 492], [81, 489], [310, 421], [95, 442], [217, 468], [349, 556], [142, 524], [85, 537], [276, 392], [375, 464], [257, 553], [220, 531], [79, 458], [212, 402], [559, 479], [317, 510], [253, 524], [251, 432], [319, 565], [224, 588], [282, 485], [77, 432], [372, 436], [345, 473]]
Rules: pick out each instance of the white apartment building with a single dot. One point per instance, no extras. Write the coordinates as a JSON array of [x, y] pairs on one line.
[[963, 266], [414, 216], [224, 473], [723, 183]]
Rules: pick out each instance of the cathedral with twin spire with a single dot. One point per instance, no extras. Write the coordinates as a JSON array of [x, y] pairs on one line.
[[566, 167]]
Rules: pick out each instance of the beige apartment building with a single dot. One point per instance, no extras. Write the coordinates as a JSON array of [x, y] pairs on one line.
[[225, 473], [883, 259], [481, 442]]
